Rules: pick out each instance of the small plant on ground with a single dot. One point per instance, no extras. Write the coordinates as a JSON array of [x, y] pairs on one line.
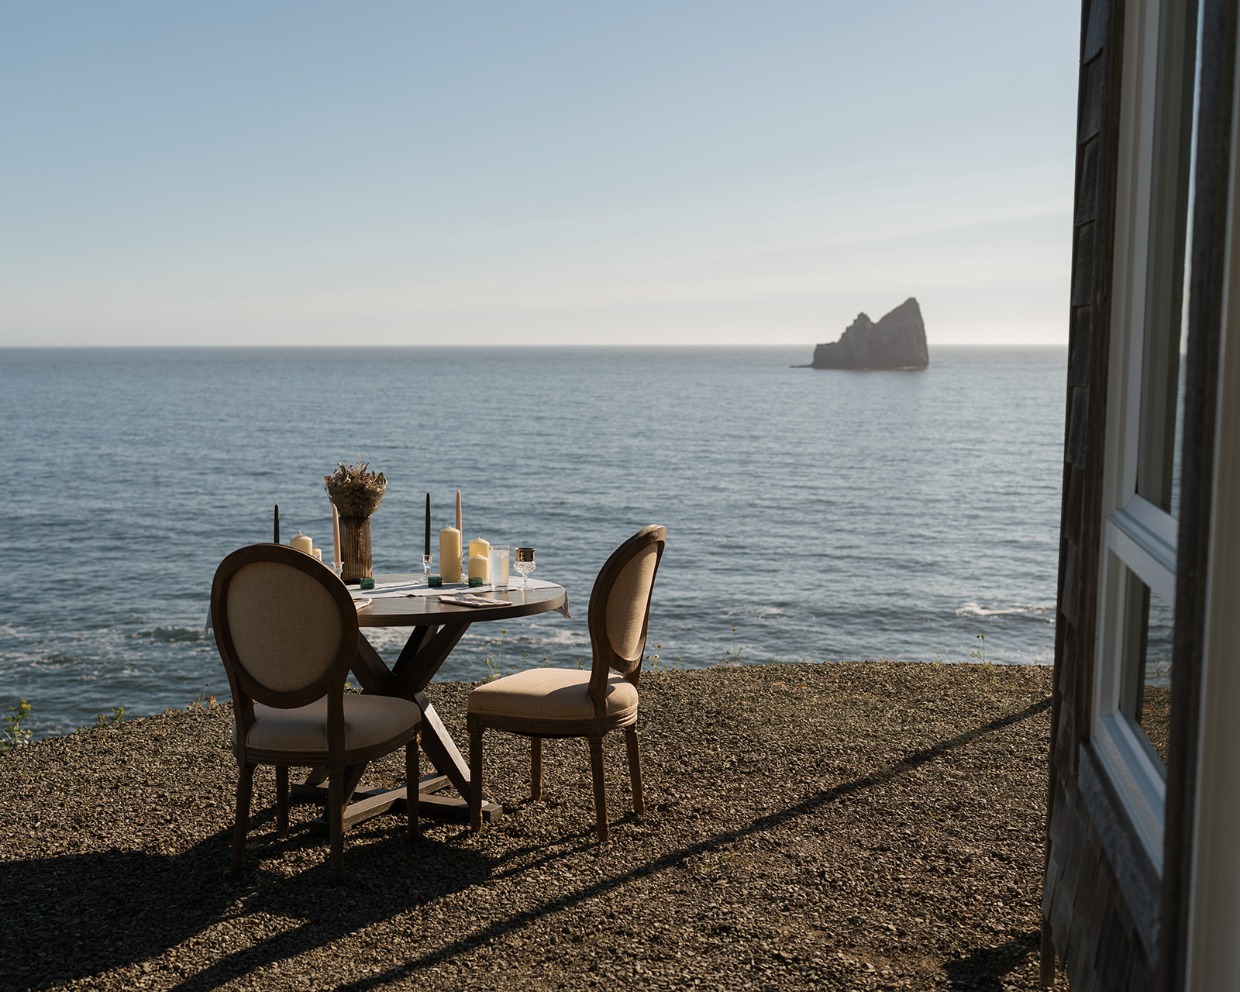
[[980, 652], [495, 666], [203, 701], [732, 656], [14, 734], [108, 719], [653, 659]]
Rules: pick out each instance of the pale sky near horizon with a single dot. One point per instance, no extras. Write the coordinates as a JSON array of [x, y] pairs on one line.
[[710, 172]]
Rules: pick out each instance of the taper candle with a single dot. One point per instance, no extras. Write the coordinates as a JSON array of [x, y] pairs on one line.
[[426, 549], [458, 514], [336, 534], [275, 527]]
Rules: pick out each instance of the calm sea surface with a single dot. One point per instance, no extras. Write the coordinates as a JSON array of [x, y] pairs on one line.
[[812, 515]]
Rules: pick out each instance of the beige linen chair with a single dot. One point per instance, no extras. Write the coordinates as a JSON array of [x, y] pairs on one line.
[[287, 633], [554, 702]]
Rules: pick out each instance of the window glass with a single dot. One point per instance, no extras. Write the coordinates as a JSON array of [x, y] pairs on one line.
[[1145, 694], [1171, 192]]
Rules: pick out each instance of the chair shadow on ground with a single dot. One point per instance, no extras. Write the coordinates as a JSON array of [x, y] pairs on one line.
[[980, 972], [96, 912]]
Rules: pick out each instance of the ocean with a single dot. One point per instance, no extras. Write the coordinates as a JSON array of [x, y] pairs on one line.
[[812, 515]]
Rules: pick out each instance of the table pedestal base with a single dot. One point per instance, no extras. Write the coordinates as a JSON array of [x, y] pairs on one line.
[[368, 803]]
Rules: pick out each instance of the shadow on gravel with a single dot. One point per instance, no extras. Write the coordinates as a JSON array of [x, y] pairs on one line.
[[986, 965], [76, 921], [983, 970], [82, 922]]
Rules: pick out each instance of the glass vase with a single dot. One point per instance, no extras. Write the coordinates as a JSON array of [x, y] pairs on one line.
[[355, 548]]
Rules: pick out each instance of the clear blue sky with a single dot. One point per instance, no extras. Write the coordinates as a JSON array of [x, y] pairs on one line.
[[523, 172]]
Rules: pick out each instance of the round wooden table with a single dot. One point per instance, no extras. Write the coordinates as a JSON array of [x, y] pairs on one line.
[[436, 628]]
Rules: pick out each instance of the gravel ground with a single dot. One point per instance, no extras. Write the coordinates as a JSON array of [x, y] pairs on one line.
[[843, 826]]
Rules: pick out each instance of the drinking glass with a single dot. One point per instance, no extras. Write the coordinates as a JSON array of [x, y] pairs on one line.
[[523, 562], [499, 566], [426, 569]]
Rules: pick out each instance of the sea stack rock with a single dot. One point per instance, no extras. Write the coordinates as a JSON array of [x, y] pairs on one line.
[[898, 341]]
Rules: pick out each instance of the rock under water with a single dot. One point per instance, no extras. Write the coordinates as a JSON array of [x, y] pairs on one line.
[[897, 341]]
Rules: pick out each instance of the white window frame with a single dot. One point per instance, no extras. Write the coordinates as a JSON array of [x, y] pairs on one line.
[[1139, 537]]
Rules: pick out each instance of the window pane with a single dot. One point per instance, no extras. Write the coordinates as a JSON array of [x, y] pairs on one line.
[[1145, 694], [1166, 275]]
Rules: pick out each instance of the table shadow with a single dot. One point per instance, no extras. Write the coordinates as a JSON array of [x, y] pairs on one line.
[[82, 915]]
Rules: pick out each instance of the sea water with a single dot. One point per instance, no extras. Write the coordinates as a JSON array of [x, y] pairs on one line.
[[812, 515]]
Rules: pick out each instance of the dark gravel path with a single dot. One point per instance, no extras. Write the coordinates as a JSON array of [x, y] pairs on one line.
[[844, 826]]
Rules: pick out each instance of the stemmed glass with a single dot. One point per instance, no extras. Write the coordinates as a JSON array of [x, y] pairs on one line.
[[523, 562], [426, 569]]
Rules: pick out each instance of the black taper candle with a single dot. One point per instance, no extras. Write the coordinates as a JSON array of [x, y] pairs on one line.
[[275, 529], [426, 550]]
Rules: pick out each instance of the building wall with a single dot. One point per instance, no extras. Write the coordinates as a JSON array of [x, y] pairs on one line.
[[1102, 893]]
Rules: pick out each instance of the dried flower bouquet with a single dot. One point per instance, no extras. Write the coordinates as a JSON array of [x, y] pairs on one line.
[[354, 489]]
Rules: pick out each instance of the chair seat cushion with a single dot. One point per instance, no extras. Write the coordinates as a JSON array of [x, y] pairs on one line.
[[368, 721], [556, 695]]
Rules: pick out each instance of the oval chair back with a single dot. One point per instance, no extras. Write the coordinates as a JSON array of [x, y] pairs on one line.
[[619, 613], [287, 632]]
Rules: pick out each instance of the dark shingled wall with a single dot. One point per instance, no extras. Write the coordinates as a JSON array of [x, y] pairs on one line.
[[1100, 905]]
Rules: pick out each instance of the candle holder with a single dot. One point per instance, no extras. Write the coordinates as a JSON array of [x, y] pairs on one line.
[[426, 569]]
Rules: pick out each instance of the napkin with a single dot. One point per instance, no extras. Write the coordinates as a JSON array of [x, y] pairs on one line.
[[472, 599]]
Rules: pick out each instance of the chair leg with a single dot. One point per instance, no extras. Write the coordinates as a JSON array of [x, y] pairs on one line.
[[245, 788], [600, 796], [635, 770], [282, 800], [475, 774], [411, 787], [536, 767], [335, 823]]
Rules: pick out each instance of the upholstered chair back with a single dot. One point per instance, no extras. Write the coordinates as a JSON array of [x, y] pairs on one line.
[[285, 625], [620, 602]]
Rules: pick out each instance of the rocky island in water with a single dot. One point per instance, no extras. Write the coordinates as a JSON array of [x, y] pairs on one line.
[[897, 341]]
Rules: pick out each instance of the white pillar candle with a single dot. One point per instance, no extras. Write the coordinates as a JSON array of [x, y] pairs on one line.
[[450, 554], [479, 547], [302, 543], [317, 553], [479, 567]]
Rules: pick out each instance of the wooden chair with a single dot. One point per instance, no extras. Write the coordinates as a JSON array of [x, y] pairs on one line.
[[287, 633], [554, 702]]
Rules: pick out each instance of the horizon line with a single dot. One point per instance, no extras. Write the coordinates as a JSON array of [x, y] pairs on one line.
[[490, 347]]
